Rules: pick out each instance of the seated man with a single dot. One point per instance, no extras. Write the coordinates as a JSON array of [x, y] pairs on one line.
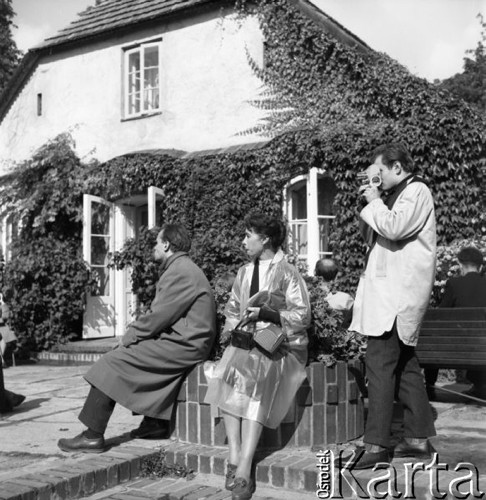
[[145, 372], [467, 290]]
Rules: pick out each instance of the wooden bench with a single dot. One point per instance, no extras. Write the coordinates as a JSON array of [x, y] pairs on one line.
[[453, 338]]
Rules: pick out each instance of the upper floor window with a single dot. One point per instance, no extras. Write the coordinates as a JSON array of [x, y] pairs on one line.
[[142, 79], [308, 201]]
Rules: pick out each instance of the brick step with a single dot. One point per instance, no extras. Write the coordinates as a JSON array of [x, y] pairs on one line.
[[287, 469], [80, 352], [68, 358]]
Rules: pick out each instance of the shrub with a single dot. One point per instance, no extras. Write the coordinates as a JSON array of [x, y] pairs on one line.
[[47, 282], [329, 340], [137, 254]]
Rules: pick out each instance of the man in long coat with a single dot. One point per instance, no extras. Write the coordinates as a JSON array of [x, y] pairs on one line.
[[392, 297], [145, 372]]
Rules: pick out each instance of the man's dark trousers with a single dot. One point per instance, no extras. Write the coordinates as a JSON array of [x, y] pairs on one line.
[[393, 369]]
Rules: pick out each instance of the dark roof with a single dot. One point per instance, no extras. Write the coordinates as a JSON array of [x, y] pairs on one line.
[[113, 15]]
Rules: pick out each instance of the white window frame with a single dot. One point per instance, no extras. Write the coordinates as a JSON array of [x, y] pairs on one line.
[[140, 49], [153, 193], [311, 179], [7, 234]]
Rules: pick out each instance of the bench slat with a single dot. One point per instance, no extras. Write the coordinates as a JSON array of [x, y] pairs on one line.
[[453, 325], [456, 313], [453, 342], [453, 338], [466, 337]]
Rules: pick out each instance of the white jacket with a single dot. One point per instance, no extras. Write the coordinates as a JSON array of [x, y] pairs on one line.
[[400, 270]]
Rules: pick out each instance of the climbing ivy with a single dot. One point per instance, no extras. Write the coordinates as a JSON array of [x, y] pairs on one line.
[[328, 106]]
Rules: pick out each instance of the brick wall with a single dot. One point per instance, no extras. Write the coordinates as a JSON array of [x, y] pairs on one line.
[[328, 409]]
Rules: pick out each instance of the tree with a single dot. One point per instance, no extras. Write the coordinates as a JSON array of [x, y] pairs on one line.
[[9, 53], [471, 84]]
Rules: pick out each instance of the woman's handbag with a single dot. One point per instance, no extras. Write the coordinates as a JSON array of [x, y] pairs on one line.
[[242, 338], [269, 338]]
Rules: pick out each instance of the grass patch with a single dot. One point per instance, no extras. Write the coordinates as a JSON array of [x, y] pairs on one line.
[[158, 467]]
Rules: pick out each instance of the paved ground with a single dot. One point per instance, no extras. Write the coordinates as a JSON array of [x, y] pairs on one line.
[[55, 395]]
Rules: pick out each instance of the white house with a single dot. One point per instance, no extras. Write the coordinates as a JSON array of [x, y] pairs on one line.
[[138, 75]]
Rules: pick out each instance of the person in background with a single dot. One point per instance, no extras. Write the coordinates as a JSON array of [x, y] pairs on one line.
[[158, 349], [327, 269], [398, 225], [8, 400], [466, 290], [252, 388], [8, 339]]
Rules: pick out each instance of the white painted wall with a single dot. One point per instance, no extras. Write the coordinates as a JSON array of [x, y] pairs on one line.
[[206, 86]]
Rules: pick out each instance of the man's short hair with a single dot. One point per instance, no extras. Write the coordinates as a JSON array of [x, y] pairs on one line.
[[392, 152], [471, 256], [177, 236], [327, 269]]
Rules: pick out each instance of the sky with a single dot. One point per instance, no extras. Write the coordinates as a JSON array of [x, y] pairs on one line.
[[429, 37]]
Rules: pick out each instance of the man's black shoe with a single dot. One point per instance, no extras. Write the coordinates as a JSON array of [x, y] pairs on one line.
[[362, 459], [419, 450], [15, 399], [83, 444], [152, 429]]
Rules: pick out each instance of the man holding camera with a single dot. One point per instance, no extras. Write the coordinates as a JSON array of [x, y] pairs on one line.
[[398, 224]]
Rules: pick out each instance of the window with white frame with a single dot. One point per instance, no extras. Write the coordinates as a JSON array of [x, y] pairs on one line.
[[142, 78], [308, 206]]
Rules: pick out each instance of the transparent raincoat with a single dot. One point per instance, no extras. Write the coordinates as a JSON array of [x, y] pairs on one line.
[[250, 383]]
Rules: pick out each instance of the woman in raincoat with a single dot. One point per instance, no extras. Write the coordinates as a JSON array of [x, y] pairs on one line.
[[252, 388]]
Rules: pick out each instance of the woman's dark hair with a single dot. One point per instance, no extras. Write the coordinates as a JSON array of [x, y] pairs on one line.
[[266, 225], [177, 236], [392, 152]]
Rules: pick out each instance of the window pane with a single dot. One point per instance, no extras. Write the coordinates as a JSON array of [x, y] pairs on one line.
[[326, 191], [134, 62], [324, 231], [298, 233], [134, 82], [134, 103], [100, 218], [299, 202], [151, 99], [102, 276], [100, 247], [151, 57], [151, 78]]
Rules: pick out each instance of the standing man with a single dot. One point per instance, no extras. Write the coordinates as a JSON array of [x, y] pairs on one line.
[[145, 372], [392, 297]]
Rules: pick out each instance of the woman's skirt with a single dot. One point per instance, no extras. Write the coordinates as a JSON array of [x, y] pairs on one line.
[[251, 385]]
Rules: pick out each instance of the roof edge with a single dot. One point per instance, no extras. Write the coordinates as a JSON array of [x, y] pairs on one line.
[[332, 26]]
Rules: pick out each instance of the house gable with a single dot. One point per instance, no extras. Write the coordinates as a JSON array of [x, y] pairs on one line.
[[75, 80]]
